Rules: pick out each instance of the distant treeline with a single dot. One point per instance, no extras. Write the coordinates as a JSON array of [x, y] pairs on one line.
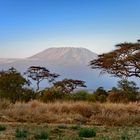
[[16, 87]]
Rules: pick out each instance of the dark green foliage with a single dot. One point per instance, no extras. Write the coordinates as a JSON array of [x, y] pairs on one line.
[[87, 132], [80, 95], [27, 95], [2, 127], [41, 135], [100, 94], [12, 84], [21, 133]]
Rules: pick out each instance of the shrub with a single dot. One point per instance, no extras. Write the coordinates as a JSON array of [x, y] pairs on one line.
[[21, 133], [80, 95], [87, 132], [91, 97], [41, 135], [51, 94], [100, 94], [27, 95], [2, 127]]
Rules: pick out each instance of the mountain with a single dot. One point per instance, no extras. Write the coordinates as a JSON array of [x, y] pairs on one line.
[[66, 56], [69, 62]]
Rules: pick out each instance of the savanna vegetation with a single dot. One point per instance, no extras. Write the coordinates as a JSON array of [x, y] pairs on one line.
[[15, 87], [61, 103]]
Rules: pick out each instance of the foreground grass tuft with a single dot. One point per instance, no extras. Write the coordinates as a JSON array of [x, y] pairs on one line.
[[21, 133], [87, 132], [41, 135], [52, 132], [2, 127]]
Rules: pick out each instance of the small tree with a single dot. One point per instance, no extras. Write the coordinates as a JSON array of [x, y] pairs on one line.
[[100, 91], [100, 94], [129, 89], [39, 74], [68, 85], [12, 84], [126, 91]]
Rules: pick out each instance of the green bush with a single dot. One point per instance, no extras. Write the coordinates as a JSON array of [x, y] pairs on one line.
[[21, 133], [91, 97], [80, 95], [100, 95], [2, 127], [87, 132], [27, 95], [41, 135]]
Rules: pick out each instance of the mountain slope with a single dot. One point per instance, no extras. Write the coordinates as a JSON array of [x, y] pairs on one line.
[[65, 56]]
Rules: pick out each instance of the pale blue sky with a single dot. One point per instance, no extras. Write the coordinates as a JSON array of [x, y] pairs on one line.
[[30, 26]]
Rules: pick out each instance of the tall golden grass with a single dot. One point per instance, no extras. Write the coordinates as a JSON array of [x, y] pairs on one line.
[[78, 112]]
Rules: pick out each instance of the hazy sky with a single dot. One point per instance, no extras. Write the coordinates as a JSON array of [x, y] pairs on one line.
[[30, 26]]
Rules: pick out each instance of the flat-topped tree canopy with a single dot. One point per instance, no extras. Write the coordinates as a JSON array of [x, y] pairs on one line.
[[124, 61], [39, 74], [69, 85]]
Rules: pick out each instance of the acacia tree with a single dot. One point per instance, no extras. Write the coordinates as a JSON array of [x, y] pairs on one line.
[[39, 74], [124, 61], [68, 85]]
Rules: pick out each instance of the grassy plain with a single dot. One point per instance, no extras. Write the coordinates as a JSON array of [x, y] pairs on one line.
[[64, 120]]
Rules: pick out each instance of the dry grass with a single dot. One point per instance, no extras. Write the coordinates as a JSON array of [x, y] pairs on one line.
[[72, 112]]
